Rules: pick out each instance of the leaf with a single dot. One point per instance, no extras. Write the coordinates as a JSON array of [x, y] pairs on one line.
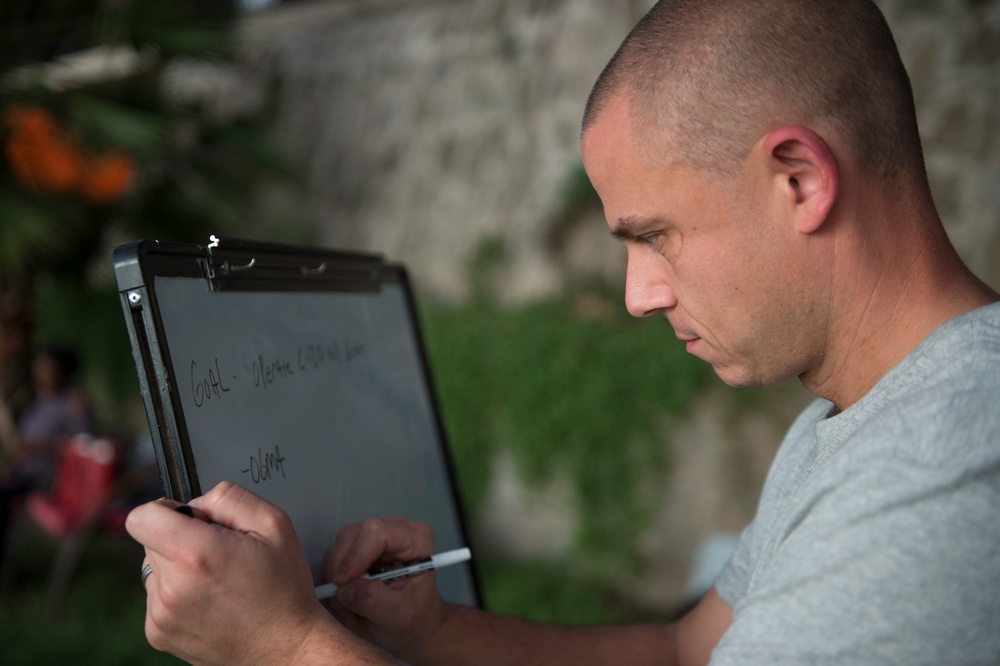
[[30, 234], [109, 123], [32, 31], [257, 145], [178, 33]]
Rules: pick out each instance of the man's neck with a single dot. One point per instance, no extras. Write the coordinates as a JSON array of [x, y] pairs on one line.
[[900, 295]]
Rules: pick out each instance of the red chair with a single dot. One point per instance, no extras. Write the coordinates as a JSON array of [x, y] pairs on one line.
[[78, 505]]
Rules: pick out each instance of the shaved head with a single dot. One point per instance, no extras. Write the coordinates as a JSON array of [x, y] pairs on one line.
[[707, 78]]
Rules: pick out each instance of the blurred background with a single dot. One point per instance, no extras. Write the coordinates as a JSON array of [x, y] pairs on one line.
[[605, 473]]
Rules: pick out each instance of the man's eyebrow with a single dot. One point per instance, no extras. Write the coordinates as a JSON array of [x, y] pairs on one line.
[[631, 228]]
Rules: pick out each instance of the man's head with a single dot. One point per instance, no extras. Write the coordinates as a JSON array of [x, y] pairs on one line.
[[707, 78], [743, 151]]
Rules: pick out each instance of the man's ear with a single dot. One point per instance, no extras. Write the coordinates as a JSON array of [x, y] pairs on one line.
[[806, 172]]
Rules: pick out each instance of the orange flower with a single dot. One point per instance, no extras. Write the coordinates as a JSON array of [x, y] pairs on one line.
[[44, 157], [30, 121], [41, 154], [107, 177]]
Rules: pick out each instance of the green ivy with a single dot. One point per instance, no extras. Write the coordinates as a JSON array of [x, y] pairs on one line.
[[553, 592], [589, 398]]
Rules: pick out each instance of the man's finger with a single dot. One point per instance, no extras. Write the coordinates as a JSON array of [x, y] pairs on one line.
[[162, 530], [393, 539], [236, 508]]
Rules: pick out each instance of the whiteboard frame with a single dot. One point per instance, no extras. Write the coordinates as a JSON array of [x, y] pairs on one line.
[[242, 265]]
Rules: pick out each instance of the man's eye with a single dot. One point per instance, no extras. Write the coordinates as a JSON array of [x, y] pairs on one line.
[[661, 243]]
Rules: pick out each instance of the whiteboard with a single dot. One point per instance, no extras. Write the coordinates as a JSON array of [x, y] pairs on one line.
[[316, 400]]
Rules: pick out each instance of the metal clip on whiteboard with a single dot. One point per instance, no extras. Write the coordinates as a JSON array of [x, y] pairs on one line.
[[228, 262], [319, 270], [229, 268]]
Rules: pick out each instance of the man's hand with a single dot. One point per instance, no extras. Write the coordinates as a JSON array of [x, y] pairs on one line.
[[243, 594], [401, 616]]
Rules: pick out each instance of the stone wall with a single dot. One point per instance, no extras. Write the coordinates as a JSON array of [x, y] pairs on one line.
[[952, 50], [426, 126]]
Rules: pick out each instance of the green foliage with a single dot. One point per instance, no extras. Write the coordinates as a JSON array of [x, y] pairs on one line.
[[486, 262], [549, 592], [29, 230], [102, 619], [104, 140], [32, 32], [586, 399], [191, 167], [112, 123]]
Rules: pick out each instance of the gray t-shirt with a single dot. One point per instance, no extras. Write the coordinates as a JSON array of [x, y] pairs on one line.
[[877, 537]]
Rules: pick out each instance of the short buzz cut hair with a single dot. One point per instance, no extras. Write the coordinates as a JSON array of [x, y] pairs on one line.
[[707, 78]]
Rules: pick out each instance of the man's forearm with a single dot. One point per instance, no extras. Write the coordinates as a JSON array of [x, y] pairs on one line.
[[473, 636]]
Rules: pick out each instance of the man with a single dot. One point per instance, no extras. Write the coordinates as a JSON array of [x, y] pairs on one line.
[[760, 162]]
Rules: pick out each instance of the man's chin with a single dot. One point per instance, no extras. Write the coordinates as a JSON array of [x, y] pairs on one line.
[[740, 377], [737, 377]]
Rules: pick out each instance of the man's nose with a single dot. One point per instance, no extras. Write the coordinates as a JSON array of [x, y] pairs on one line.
[[647, 286]]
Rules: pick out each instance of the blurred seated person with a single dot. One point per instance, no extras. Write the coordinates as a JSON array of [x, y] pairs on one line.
[[58, 411]]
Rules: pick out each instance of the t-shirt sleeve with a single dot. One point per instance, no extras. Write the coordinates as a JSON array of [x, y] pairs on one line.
[[883, 566], [731, 584]]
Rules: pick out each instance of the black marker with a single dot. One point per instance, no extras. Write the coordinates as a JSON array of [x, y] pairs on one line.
[[434, 562]]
